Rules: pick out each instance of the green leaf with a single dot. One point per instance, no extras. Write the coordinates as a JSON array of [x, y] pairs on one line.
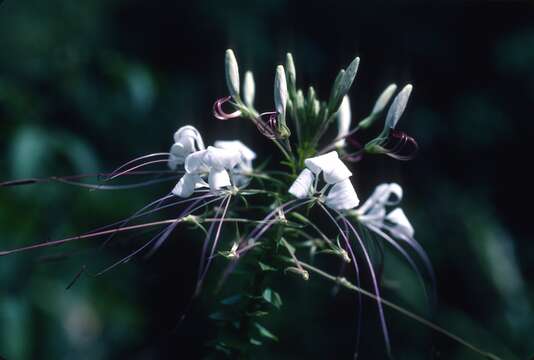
[[265, 267], [257, 313], [272, 297], [220, 316], [232, 299], [255, 342], [266, 333]]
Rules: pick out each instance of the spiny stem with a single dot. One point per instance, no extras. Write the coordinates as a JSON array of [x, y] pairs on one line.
[[347, 284]]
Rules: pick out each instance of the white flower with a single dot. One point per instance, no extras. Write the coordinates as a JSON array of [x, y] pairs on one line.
[[214, 162], [343, 122], [187, 140], [244, 166], [373, 211], [341, 194]]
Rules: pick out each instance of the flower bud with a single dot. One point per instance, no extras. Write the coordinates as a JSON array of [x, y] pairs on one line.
[[249, 89], [397, 107], [383, 99], [280, 91], [232, 73], [343, 121], [291, 73], [343, 85], [380, 105]]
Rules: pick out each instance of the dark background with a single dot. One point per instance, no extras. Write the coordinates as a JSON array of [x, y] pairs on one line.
[[87, 85]]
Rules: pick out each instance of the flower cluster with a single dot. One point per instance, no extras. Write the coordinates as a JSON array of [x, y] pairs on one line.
[[317, 178]]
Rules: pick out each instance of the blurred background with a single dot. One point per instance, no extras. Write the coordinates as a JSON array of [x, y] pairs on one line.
[[87, 85]]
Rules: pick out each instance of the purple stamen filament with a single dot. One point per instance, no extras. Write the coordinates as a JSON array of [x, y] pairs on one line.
[[220, 114]]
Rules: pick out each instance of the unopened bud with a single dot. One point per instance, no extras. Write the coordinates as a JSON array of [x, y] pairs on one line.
[[280, 91], [232, 73], [291, 73], [397, 107], [249, 89]]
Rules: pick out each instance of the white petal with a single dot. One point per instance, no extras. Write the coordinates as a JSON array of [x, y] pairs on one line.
[[236, 145], [187, 140], [218, 179], [336, 172], [178, 153], [174, 161], [321, 162], [190, 132], [194, 163], [395, 190], [342, 196], [302, 186], [384, 194], [221, 158], [400, 223], [343, 121], [187, 184]]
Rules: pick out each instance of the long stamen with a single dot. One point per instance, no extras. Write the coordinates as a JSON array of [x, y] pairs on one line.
[[93, 234], [214, 244], [138, 213], [160, 238], [137, 159], [375, 285], [256, 233], [424, 258], [345, 237], [204, 251], [116, 187], [220, 114], [403, 252], [136, 167], [69, 178]]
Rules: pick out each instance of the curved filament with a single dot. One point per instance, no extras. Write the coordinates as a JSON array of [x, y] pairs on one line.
[[220, 114]]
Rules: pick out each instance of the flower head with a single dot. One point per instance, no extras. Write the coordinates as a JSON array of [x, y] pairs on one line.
[[341, 194]]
